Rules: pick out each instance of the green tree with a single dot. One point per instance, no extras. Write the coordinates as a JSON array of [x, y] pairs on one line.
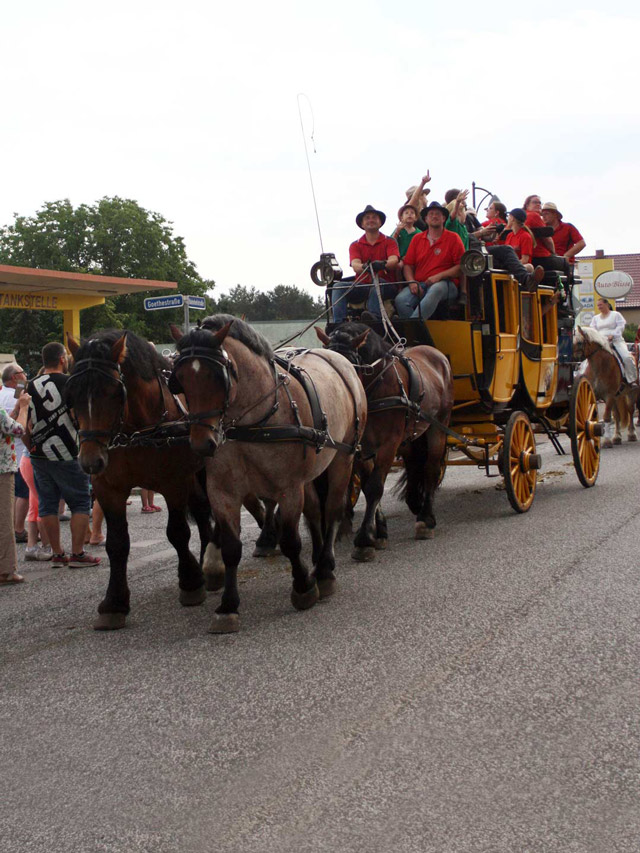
[[284, 302], [114, 236]]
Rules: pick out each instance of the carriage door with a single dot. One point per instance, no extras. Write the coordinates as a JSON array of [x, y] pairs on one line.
[[539, 333], [505, 336]]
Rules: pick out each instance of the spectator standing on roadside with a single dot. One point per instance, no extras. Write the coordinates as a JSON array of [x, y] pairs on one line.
[[9, 429], [13, 379], [54, 456]]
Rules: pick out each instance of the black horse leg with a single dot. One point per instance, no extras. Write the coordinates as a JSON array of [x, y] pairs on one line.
[[365, 541], [267, 542], [304, 593], [114, 607], [382, 534], [226, 619], [313, 517], [338, 476], [436, 446], [190, 576]]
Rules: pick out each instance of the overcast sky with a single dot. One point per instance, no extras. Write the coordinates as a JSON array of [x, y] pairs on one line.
[[190, 108]]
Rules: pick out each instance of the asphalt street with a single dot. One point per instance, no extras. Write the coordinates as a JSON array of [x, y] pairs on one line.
[[476, 692]]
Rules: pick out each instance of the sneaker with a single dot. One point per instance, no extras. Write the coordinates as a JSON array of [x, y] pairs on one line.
[[44, 553], [21, 537], [31, 553], [58, 561], [79, 561]]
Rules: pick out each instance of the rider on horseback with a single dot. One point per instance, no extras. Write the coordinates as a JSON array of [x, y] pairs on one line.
[[611, 324]]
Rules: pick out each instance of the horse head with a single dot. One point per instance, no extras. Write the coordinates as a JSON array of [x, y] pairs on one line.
[[347, 340], [203, 372], [97, 395]]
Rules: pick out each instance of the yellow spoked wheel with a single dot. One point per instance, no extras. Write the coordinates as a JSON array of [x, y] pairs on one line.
[[520, 462], [585, 432], [355, 487]]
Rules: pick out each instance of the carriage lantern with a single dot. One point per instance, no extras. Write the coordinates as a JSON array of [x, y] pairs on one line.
[[325, 271]]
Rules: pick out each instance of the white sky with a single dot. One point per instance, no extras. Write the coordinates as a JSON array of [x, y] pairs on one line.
[[190, 108]]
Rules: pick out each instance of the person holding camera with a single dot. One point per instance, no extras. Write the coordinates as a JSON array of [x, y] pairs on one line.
[[14, 381]]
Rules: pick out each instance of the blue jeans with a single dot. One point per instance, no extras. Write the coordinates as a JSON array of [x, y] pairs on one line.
[[429, 299], [55, 480], [359, 294]]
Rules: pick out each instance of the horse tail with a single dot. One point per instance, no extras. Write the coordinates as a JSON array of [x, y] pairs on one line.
[[411, 487], [321, 484]]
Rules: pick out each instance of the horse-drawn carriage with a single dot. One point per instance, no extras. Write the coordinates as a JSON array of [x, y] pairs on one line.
[[510, 351]]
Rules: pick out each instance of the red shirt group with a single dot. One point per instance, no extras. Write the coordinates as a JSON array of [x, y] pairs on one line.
[[428, 258], [366, 252], [534, 220], [565, 236]]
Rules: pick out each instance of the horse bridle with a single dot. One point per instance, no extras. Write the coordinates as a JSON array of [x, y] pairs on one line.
[[98, 365], [221, 364]]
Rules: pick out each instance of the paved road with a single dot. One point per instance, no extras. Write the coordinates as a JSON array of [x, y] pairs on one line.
[[478, 692]]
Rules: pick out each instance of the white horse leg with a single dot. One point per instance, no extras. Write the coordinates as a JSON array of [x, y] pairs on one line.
[[608, 434]]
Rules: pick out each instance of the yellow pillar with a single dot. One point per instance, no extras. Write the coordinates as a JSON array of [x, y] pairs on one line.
[[71, 324]]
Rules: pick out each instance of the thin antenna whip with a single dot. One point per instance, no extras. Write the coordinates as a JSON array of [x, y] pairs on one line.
[[306, 153]]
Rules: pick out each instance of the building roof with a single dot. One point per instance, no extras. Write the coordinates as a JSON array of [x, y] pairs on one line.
[[36, 281]]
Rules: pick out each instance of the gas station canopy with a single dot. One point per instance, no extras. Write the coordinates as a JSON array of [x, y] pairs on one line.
[[69, 292]]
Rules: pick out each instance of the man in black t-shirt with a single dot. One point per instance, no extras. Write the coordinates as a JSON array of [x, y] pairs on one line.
[[54, 456]]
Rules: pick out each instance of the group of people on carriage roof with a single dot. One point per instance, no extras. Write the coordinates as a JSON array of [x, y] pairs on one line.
[[418, 264]]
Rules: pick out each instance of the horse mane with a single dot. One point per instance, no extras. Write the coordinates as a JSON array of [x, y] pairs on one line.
[[141, 359], [594, 337], [373, 348], [239, 331]]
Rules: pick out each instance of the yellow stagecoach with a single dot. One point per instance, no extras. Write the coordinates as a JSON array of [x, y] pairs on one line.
[[511, 355]]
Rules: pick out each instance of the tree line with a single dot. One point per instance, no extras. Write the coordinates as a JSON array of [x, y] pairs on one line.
[[117, 237]]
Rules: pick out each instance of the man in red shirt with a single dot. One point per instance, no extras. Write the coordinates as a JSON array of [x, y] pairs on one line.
[[566, 237], [544, 252], [374, 247], [433, 258]]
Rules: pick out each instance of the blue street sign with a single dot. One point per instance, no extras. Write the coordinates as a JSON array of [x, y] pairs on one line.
[[155, 303], [197, 302]]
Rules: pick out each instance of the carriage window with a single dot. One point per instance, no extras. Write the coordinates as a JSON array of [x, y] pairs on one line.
[[549, 320], [506, 319], [529, 326]]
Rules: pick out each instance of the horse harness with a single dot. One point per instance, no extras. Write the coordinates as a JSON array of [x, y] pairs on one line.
[[159, 435], [317, 436]]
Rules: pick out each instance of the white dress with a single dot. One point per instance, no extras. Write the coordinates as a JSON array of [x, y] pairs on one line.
[[612, 326]]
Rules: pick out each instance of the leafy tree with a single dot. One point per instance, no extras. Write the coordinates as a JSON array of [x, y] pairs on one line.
[[630, 331], [284, 302], [114, 236]]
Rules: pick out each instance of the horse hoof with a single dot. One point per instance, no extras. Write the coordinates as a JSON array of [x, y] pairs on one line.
[[381, 544], [265, 551], [305, 600], [327, 587], [110, 621], [225, 623], [213, 581], [424, 532], [363, 555], [633, 437], [192, 597], [617, 440]]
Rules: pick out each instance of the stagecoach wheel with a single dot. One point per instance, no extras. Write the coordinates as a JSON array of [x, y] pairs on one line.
[[520, 462], [584, 431], [355, 487]]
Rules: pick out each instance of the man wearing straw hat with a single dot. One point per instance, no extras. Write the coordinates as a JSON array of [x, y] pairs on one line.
[[567, 240]]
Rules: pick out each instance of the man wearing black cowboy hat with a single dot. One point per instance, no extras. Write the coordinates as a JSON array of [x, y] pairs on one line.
[[433, 259], [373, 246]]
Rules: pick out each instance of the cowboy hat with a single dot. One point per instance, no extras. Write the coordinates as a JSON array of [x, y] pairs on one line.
[[549, 205], [370, 209], [435, 205]]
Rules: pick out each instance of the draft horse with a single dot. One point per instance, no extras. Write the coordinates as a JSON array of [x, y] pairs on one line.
[[270, 426], [605, 374], [130, 435], [406, 394]]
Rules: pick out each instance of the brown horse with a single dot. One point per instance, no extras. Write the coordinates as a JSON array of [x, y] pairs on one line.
[[271, 428], [405, 395], [605, 374], [129, 437]]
